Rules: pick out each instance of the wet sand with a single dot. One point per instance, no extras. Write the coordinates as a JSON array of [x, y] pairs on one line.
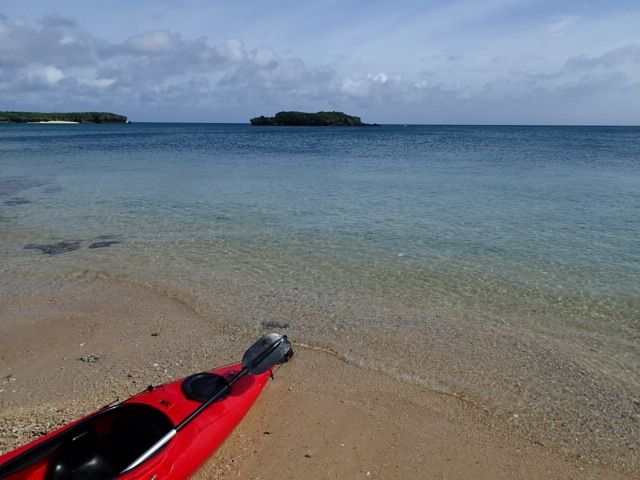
[[75, 347]]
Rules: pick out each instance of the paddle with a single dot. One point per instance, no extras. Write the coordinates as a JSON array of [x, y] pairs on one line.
[[270, 350]]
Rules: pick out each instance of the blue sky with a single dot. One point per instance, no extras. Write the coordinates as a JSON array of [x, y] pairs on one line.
[[423, 61]]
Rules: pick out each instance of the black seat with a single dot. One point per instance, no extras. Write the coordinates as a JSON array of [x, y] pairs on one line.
[[91, 455], [85, 457]]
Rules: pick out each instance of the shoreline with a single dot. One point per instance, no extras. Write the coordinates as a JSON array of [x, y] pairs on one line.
[[322, 415]]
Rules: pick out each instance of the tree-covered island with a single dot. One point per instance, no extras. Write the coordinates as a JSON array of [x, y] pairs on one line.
[[302, 119], [72, 117]]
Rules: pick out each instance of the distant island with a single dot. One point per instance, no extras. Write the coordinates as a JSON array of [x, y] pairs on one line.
[[302, 119], [74, 117]]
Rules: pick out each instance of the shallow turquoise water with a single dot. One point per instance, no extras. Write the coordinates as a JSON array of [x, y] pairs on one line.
[[539, 212], [481, 261]]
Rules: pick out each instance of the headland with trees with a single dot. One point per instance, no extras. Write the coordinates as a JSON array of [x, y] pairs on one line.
[[71, 117], [303, 119]]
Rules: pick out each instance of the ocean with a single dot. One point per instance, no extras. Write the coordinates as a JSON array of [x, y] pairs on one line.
[[500, 265]]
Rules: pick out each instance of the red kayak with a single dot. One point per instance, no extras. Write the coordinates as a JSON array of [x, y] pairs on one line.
[[166, 432]]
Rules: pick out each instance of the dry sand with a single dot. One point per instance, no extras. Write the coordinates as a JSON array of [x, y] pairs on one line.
[[72, 348]]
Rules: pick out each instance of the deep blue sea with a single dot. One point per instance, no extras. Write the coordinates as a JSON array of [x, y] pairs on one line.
[[498, 264]]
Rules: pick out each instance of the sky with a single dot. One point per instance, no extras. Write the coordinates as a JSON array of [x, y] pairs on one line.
[[526, 62]]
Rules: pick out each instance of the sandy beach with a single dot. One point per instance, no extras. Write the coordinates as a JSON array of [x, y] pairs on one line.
[[69, 348]]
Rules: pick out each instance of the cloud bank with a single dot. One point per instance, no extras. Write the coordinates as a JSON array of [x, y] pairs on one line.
[[159, 75]]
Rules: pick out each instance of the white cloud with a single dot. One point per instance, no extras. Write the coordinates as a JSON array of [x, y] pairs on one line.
[[561, 23], [354, 87], [47, 75], [153, 43], [55, 41], [627, 55], [378, 77], [232, 50], [97, 83], [67, 39], [265, 57]]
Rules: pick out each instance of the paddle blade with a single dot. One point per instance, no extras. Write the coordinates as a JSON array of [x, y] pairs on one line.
[[270, 350]]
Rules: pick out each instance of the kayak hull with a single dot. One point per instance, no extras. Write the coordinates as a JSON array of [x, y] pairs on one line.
[[146, 417]]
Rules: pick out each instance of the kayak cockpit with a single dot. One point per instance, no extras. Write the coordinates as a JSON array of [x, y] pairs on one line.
[[97, 447], [108, 442]]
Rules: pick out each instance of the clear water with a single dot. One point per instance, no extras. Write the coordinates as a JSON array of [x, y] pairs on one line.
[[499, 264]]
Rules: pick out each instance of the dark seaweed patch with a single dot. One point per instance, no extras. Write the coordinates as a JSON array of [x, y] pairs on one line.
[[69, 246], [53, 189], [104, 243], [274, 324], [108, 237], [12, 202], [55, 248], [13, 185]]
